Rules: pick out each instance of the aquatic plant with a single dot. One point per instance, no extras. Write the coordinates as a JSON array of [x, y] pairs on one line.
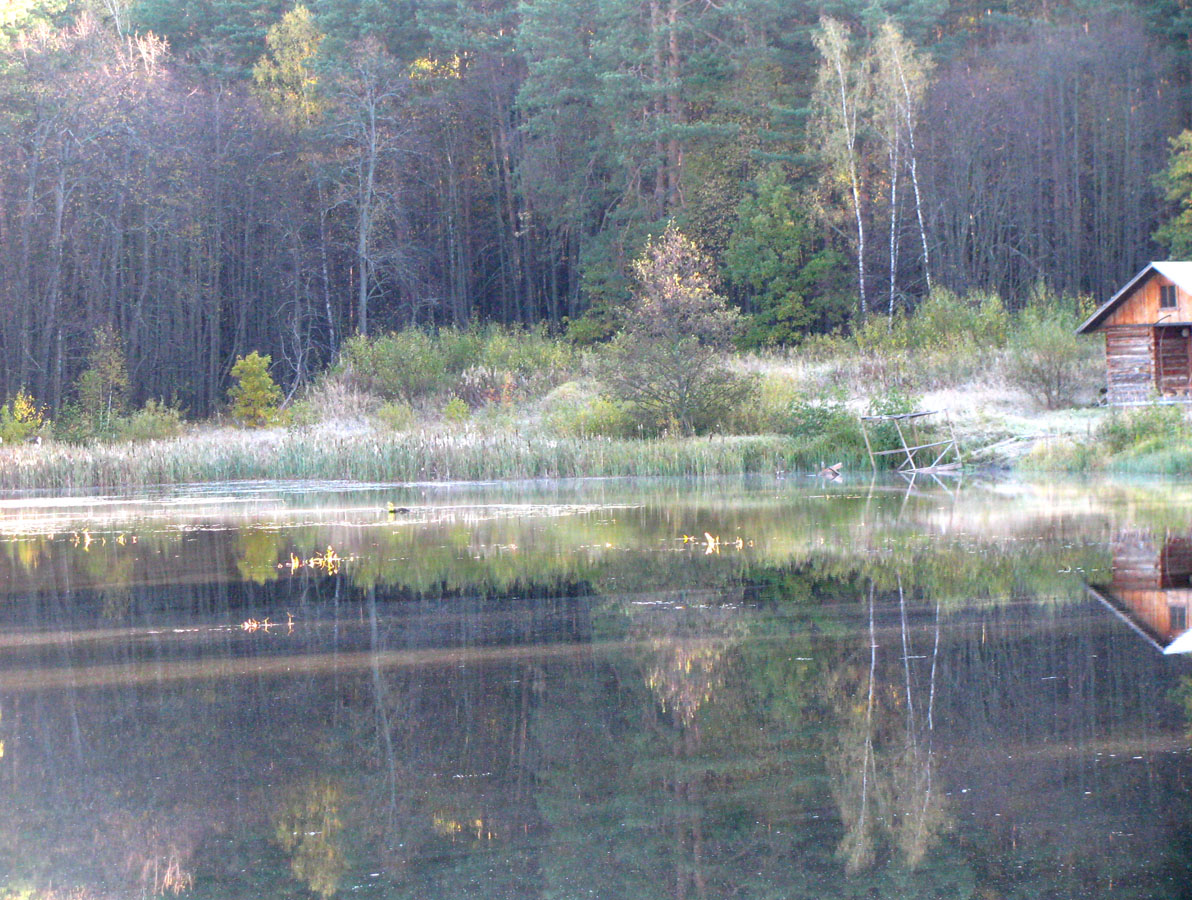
[[461, 453]]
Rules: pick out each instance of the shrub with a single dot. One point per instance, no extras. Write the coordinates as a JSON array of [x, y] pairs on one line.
[[884, 435], [1047, 359], [595, 326], [255, 396], [21, 418], [456, 411], [479, 365], [945, 321], [396, 415], [100, 389], [402, 365], [155, 421], [533, 355], [667, 366], [576, 410], [1130, 429], [599, 417], [950, 337], [458, 348]]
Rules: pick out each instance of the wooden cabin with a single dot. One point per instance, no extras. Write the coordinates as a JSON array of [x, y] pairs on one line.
[[1148, 335], [1152, 589]]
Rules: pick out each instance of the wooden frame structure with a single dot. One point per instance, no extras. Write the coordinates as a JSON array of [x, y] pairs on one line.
[[944, 455], [1148, 335]]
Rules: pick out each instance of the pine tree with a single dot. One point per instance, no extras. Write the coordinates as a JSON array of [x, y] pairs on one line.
[[255, 396]]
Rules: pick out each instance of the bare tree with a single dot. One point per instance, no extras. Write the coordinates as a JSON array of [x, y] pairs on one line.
[[370, 131]]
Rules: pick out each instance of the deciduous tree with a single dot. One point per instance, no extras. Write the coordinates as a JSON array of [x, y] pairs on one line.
[[667, 362]]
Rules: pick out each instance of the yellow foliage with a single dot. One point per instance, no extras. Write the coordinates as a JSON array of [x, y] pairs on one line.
[[21, 417]]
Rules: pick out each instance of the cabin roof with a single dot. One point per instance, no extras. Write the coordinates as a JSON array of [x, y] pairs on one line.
[[1177, 271]]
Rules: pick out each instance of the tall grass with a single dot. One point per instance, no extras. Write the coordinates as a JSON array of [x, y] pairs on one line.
[[442, 455], [1154, 439]]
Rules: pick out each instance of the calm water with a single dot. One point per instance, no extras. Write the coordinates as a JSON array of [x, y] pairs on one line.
[[606, 690]]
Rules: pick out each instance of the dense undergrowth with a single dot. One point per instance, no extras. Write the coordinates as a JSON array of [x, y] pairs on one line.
[[496, 402]]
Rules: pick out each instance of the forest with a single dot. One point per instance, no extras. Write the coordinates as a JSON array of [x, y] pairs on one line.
[[204, 179]]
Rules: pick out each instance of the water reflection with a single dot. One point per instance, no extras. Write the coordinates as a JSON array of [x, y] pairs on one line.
[[1152, 587], [863, 693]]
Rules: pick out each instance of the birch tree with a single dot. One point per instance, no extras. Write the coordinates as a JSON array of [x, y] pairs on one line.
[[902, 76], [840, 103]]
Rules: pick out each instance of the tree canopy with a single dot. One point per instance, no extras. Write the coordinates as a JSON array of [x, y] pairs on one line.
[[207, 178]]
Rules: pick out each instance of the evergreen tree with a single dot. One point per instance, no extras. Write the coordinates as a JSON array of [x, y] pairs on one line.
[[1176, 182], [781, 269], [254, 396]]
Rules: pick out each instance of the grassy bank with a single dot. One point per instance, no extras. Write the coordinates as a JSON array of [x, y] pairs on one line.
[[1145, 440], [494, 403]]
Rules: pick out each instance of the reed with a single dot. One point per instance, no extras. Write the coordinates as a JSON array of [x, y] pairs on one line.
[[372, 456]]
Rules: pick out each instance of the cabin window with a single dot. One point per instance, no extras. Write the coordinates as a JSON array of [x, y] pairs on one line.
[[1179, 617], [1167, 296]]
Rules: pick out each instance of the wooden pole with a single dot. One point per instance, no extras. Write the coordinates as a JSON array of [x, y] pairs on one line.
[[868, 446]]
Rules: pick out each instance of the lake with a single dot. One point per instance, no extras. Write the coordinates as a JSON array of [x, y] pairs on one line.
[[607, 689]]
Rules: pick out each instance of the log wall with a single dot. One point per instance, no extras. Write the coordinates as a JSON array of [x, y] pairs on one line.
[[1173, 369], [1130, 363]]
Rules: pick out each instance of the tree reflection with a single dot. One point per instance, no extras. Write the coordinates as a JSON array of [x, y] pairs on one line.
[[851, 761], [621, 718], [309, 827], [260, 550], [881, 759], [685, 653]]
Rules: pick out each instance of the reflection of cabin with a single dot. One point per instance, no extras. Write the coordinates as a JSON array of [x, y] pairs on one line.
[[1148, 335], [1152, 588]]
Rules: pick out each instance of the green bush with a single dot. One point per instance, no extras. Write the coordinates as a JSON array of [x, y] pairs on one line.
[[1047, 359], [884, 435], [574, 410], [767, 412], [396, 415], [479, 364], [1144, 425], [155, 421], [595, 326], [944, 321], [459, 348], [101, 388], [668, 365], [255, 396], [943, 324], [21, 418], [456, 411], [402, 365], [532, 354]]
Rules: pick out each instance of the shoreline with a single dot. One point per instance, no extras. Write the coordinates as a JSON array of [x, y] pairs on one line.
[[1065, 444]]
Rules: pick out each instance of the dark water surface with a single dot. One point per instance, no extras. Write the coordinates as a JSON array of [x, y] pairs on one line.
[[606, 689]]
